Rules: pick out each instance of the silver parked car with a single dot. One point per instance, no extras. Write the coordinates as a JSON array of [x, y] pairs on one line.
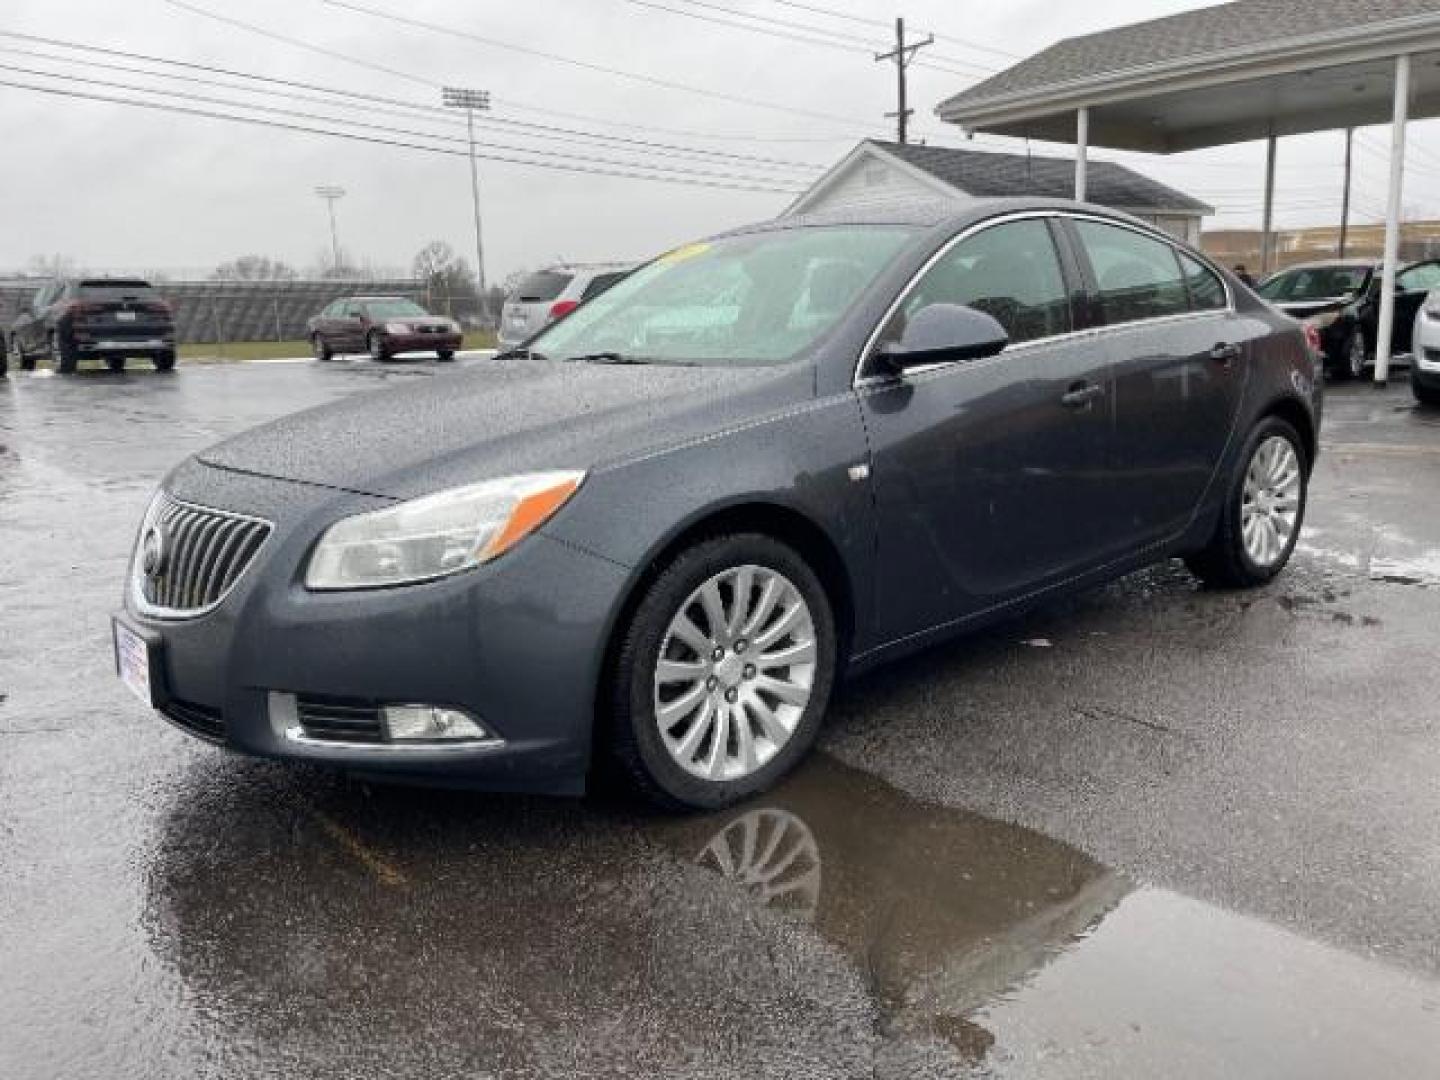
[[551, 294]]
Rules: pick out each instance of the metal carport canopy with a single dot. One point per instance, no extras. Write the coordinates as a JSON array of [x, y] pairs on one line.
[[1253, 69]]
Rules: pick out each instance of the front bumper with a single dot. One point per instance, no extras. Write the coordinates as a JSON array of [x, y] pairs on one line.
[[518, 644], [1425, 367], [398, 343]]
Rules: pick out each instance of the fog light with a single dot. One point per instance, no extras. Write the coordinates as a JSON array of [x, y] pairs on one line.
[[430, 723]]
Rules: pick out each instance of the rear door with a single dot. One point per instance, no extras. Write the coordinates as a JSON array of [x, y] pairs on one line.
[[1412, 285], [1181, 357], [985, 472]]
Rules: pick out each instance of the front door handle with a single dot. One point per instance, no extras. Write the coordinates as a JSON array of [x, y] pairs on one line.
[[1081, 394], [1225, 353]]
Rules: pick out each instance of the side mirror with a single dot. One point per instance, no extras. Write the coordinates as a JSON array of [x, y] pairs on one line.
[[944, 333]]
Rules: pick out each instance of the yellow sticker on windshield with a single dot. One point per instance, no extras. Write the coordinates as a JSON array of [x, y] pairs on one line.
[[680, 254]]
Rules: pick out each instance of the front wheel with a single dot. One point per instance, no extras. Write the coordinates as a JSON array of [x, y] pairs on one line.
[[1263, 511], [62, 356], [1425, 395], [445, 355], [320, 348], [165, 361], [723, 674], [375, 345], [115, 364]]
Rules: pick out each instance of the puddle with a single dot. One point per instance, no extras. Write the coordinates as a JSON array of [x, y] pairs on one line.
[[831, 922]]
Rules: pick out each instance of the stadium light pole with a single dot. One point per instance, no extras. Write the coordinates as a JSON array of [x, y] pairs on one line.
[[455, 97], [332, 193]]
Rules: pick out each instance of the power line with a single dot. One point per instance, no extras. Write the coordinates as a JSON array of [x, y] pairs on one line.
[[386, 128], [375, 104], [884, 25], [629, 172], [587, 65]]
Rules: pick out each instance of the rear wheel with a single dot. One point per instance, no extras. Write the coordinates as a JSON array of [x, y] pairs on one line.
[[723, 674], [115, 364], [320, 348], [4, 363], [375, 345], [445, 355], [165, 361], [62, 355], [1263, 511]]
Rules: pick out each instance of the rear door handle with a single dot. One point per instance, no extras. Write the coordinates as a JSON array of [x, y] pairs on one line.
[[1081, 395], [1225, 353]]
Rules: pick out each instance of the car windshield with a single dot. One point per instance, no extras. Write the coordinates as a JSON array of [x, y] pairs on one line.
[[759, 298], [394, 309], [1315, 283]]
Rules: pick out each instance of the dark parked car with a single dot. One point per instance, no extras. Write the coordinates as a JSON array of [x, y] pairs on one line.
[[1341, 300], [658, 534], [383, 326], [108, 319]]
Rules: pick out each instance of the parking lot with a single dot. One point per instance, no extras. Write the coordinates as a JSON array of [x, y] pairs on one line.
[[1154, 829]]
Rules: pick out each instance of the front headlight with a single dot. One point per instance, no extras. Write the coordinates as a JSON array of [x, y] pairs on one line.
[[397, 328], [437, 535], [1324, 319]]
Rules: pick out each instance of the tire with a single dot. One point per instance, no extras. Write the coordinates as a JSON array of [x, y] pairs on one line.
[[27, 362], [320, 348], [1425, 395], [4, 363], [1228, 560], [164, 361], [62, 356], [731, 694], [1351, 362], [116, 364], [375, 346], [445, 355]]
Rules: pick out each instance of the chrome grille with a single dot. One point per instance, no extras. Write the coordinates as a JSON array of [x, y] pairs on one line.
[[203, 552]]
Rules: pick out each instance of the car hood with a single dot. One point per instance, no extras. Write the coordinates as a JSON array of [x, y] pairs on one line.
[[1303, 309], [506, 417]]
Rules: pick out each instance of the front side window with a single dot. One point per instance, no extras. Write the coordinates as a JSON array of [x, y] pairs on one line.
[[1137, 276], [757, 298], [1206, 291], [599, 283], [395, 309], [1009, 271]]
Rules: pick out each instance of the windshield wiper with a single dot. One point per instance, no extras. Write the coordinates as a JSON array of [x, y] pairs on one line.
[[606, 358], [520, 353]]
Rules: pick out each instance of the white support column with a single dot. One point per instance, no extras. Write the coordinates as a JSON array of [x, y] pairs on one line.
[[1267, 222], [1082, 149], [1385, 337]]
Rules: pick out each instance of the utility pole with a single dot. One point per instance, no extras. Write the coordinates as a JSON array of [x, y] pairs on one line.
[[332, 193], [902, 54], [1345, 198], [455, 97]]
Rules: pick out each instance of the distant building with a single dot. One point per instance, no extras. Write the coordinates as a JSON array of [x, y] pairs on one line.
[[1418, 240], [878, 172]]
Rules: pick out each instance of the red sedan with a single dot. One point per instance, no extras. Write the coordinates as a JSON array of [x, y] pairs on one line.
[[383, 326]]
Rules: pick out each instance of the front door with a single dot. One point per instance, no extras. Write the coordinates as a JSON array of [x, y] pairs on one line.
[[985, 471]]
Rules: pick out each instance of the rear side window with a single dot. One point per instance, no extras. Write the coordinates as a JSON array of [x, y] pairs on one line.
[[1206, 291], [1138, 277], [599, 283], [1010, 271], [1425, 276], [545, 285]]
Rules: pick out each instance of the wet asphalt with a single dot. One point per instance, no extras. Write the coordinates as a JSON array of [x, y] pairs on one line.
[[1153, 830]]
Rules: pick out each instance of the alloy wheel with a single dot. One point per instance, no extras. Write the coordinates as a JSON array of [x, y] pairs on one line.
[[735, 673], [1270, 504], [773, 855]]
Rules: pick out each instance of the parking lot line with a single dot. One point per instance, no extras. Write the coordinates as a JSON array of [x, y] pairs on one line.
[[386, 873]]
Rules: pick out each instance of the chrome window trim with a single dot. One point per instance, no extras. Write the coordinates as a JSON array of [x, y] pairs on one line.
[[859, 381], [137, 590]]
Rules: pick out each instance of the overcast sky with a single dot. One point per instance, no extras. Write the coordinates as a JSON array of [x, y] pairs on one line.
[[118, 187]]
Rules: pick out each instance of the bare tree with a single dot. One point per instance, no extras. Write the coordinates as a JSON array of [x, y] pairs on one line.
[[254, 268], [447, 278], [51, 266]]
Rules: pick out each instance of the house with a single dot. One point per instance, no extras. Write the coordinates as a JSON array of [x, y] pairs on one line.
[[880, 172]]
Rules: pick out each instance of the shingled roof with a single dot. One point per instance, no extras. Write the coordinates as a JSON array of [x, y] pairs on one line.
[[1191, 36], [984, 174]]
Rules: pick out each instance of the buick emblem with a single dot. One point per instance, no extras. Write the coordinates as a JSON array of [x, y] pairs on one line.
[[152, 552]]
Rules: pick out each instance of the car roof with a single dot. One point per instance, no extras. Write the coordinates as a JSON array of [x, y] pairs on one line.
[[370, 298], [949, 214], [586, 268], [1323, 264]]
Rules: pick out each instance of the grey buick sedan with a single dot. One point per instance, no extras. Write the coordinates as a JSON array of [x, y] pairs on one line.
[[656, 534]]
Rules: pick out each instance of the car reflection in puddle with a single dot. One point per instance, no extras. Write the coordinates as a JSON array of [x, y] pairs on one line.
[[836, 926]]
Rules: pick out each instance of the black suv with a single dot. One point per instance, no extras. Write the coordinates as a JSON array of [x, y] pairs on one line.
[[107, 319]]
